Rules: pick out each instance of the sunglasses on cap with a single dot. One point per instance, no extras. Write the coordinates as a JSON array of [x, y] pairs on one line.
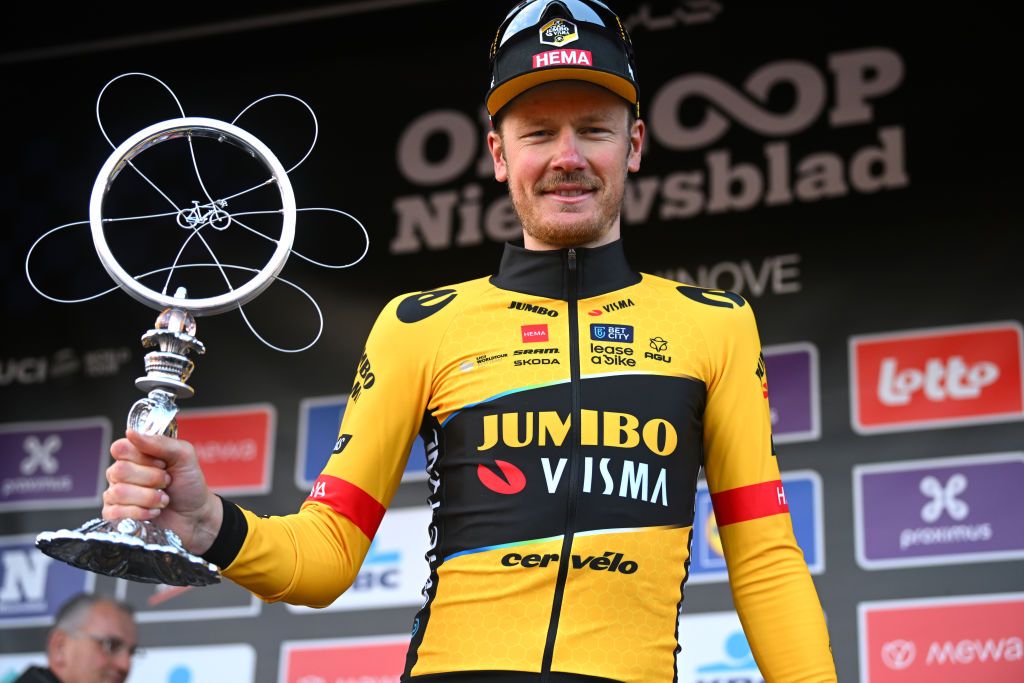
[[527, 14]]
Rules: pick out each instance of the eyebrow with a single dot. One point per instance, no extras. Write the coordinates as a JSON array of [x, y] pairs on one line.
[[583, 119]]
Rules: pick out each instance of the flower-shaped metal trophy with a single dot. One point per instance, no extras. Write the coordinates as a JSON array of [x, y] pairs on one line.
[[141, 550]]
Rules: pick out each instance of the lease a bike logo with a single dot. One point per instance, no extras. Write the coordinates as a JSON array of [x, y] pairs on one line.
[[417, 307]]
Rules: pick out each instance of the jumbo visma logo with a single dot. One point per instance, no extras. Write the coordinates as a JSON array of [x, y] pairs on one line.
[[624, 477]]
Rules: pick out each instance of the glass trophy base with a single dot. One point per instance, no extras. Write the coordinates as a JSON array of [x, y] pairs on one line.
[[128, 549]]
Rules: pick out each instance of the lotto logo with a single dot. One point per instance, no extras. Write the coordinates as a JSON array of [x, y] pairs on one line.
[[936, 378]]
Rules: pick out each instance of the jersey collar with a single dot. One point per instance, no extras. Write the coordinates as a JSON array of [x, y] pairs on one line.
[[546, 273]]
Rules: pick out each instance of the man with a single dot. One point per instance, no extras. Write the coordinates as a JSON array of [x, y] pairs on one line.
[[567, 404], [92, 641]]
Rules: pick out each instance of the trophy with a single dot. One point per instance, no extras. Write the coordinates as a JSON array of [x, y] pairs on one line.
[[141, 550]]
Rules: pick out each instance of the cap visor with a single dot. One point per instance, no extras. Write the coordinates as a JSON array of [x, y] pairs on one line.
[[507, 91]]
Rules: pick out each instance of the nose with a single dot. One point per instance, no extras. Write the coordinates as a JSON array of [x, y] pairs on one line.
[[568, 156]]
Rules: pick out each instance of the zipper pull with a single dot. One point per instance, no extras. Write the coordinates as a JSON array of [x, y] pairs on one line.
[[572, 260]]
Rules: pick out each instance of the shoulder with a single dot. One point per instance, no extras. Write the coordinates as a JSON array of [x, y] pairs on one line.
[[439, 303], [698, 301]]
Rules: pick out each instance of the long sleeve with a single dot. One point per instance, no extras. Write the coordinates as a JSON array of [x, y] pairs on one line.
[[312, 556], [771, 585]]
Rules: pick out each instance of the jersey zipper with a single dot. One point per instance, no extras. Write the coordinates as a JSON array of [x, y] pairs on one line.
[[574, 274]]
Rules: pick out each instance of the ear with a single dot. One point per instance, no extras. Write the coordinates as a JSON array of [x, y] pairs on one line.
[[636, 145], [497, 149], [55, 648]]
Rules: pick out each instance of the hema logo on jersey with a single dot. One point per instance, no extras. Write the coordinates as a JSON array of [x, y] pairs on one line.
[[803, 491], [715, 650], [235, 445], [33, 586], [394, 571], [943, 640], [375, 659], [48, 465], [318, 437], [939, 511], [942, 377]]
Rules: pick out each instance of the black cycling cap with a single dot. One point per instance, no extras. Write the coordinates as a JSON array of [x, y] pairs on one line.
[[554, 40]]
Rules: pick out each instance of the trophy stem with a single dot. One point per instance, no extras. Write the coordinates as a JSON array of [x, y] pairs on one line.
[[126, 548]]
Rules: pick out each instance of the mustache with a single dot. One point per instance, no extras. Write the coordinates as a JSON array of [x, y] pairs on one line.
[[551, 183]]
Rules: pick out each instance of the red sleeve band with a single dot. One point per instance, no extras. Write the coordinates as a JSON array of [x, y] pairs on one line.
[[348, 500], [749, 502]]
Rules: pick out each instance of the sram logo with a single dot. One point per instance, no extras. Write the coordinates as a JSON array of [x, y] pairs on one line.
[[940, 377]]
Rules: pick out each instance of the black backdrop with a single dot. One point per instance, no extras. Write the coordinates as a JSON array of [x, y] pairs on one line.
[[928, 235]]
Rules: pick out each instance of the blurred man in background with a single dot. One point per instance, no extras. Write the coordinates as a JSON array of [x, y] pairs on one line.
[[93, 640]]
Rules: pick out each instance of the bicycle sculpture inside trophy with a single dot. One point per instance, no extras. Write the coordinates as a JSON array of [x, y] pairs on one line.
[[233, 159]]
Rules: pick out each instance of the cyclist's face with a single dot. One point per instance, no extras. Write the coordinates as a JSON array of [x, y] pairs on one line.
[[564, 149]]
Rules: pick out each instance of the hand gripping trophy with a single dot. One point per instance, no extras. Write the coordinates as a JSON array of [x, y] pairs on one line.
[[141, 550]]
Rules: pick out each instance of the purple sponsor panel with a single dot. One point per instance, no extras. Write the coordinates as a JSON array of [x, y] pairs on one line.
[[939, 511], [58, 464], [793, 391], [33, 586]]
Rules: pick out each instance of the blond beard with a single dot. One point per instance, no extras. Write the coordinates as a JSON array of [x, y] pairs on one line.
[[576, 233]]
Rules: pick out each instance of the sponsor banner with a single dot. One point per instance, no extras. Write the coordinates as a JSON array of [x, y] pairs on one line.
[[196, 664], [943, 640], [13, 665], [49, 465], [940, 377], [235, 446], [33, 586], [318, 436], [793, 391], [939, 511], [803, 494], [713, 649], [395, 569], [157, 602], [379, 659]]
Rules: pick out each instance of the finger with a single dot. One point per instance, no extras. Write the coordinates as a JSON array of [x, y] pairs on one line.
[[171, 451], [123, 449], [129, 495], [129, 512], [127, 472]]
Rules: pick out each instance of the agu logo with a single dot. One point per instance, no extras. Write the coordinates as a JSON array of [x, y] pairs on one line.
[[936, 378]]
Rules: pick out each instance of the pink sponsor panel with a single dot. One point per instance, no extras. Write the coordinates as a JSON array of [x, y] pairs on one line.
[[235, 445], [376, 659], [943, 640], [939, 377]]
